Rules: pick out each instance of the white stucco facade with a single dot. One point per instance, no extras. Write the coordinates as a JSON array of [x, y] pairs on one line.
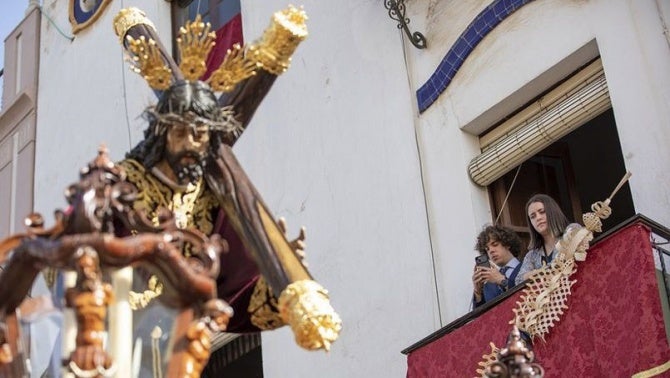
[[340, 146], [89, 96], [530, 51]]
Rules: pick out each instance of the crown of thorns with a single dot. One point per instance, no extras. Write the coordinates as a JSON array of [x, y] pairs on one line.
[[224, 121]]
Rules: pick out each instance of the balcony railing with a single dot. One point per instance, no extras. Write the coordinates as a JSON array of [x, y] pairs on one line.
[[660, 236], [611, 319]]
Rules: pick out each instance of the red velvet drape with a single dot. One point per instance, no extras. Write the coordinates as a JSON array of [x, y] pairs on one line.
[[612, 328], [228, 35]]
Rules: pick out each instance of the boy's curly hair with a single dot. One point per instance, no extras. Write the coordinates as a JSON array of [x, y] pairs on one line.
[[505, 236]]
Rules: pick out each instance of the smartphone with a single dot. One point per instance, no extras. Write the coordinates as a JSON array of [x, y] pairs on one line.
[[482, 260]]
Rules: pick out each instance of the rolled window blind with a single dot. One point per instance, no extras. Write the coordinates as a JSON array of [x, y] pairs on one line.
[[574, 103]]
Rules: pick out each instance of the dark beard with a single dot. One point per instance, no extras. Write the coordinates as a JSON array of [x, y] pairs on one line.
[[190, 173]]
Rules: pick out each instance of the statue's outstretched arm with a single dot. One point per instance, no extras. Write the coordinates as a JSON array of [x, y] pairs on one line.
[[303, 303]]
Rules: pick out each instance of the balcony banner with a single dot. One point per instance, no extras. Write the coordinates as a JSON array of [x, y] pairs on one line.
[[613, 326]]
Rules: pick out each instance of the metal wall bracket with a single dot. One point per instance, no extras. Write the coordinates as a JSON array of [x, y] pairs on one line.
[[396, 10]]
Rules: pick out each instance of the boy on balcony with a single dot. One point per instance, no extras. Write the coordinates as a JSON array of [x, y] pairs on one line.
[[500, 246]]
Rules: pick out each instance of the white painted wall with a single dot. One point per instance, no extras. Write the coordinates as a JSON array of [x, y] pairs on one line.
[[87, 97], [333, 148], [636, 57]]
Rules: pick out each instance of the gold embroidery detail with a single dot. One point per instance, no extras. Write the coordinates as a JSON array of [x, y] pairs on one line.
[[192, 208], [263, 307]]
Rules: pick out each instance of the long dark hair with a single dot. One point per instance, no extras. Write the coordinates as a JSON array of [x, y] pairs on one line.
[[556, 220], [183, 96]]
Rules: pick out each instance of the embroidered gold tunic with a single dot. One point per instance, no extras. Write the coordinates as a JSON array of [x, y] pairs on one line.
[[195, 206], [192, 206]]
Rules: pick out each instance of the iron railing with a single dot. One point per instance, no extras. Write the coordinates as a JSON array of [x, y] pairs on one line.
[[662, 255]]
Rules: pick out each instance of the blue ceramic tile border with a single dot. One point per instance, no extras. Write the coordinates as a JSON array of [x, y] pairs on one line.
[[485, 21]]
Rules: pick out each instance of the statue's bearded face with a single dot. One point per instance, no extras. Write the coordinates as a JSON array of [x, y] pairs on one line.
[[186, 149]]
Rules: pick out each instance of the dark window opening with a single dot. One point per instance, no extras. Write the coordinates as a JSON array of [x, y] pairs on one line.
[[579, 169]]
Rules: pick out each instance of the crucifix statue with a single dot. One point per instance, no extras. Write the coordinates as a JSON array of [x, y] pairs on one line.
[[186, 164], [180, 208]]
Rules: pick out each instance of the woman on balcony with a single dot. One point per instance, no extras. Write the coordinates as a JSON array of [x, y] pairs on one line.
[[546, 224]]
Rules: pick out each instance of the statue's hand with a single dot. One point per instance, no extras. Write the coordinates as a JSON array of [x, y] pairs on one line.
[[297, 244]]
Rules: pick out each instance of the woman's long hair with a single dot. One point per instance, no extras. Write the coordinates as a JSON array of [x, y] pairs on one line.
[[556, 220]]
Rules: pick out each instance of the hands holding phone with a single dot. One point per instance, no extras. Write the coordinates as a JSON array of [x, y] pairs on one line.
[[484, 273]]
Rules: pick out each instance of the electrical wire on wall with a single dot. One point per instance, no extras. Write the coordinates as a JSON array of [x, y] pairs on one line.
[[51, 21], [423, 187], [125, 93]]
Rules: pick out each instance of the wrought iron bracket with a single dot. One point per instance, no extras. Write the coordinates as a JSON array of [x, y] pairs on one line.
[[396, 10]]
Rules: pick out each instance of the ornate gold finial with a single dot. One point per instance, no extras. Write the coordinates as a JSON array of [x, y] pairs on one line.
[[272, 52], [127, 18], [592, 220], [147, 61], [195, 41], [305, 306], [287, 29], [515, 360], [235, 68], [601, 209]]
